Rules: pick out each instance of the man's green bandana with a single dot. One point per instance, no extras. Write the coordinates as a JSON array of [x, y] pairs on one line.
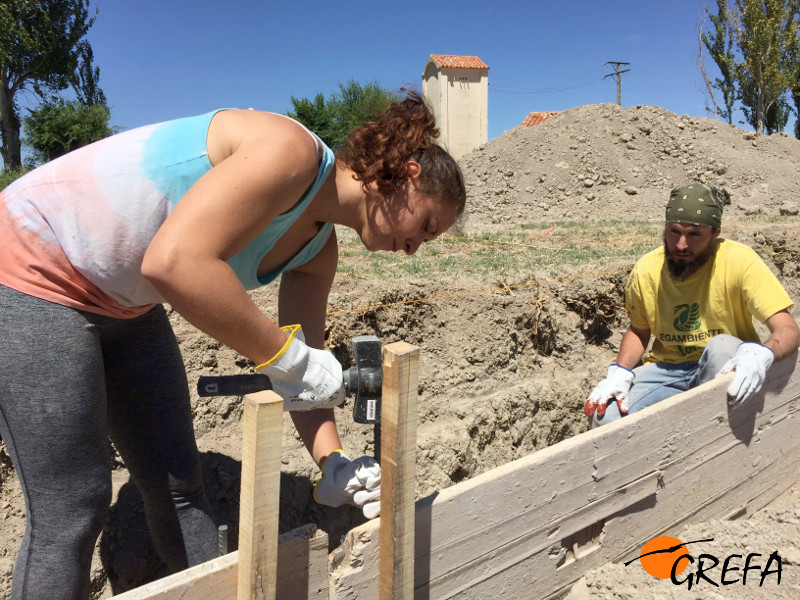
[[697, 204]]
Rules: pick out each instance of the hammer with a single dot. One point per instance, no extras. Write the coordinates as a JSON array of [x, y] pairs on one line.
[[364, 380]]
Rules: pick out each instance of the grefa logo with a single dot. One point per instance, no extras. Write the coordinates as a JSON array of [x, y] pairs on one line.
[[688, 318], [666, 557]]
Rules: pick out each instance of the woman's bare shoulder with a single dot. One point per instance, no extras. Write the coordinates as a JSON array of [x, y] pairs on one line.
[[231, 130]]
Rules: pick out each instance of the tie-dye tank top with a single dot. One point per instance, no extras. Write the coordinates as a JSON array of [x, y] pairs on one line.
[[75, 230]]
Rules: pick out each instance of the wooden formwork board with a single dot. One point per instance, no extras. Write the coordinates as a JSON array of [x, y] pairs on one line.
[[302, 573], [530, 528]]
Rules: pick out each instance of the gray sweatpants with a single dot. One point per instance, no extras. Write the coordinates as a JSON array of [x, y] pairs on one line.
[[69, 380]]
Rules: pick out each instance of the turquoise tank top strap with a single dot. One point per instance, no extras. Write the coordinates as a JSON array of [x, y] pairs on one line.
[[245, 263]]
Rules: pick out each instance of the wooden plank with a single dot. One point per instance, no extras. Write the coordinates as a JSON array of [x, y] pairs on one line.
[[398, 464], [260, 496], [213, 579], [302, 573], [468, 577], [303, 564], [706, 461], [712, 491], [717, 487]]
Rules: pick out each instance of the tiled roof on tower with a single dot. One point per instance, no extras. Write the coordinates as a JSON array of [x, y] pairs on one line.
[[452, 61]]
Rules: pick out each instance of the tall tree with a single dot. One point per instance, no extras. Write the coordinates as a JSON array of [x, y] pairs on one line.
[[41, 46], [796, 98], [719, 43], [794, 92], [765, 32], [333, 118], [776, 117], [86, 79]]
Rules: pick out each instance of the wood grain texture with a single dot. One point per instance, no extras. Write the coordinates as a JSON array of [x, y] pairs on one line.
[[398, 470], [260, 496], [530, 528], [302, 573]]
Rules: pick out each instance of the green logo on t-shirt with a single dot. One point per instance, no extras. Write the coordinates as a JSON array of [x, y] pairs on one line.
[[688, 318]]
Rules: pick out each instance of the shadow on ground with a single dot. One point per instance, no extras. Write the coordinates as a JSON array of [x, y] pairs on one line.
[[126, 549]]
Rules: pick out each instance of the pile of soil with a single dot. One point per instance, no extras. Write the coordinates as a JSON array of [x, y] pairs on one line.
[[502, 373], [621, 163]]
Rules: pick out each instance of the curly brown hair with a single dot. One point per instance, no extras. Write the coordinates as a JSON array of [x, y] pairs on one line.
[[377, 152]]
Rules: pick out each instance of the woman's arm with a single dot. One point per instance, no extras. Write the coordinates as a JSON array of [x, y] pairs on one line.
[[304, 300], [270, 163]]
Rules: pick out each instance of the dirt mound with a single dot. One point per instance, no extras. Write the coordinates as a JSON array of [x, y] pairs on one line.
[[605, 161], [503, 373]]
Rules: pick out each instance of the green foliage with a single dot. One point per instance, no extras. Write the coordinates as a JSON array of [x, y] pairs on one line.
[[720, 47], [765, 32], [794, 57], [777, 115], [9, 175], [60, 127], [42, 46], [754, 44], [85, 80], [344, 110], [796, 98], [316, 115]]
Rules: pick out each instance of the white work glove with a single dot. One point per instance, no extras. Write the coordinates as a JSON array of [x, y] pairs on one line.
[[306, 378], [345, 481], [751, 362], [616, 385]]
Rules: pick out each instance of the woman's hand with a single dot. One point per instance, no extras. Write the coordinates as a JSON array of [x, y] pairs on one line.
[[306, 378], [346, 481]]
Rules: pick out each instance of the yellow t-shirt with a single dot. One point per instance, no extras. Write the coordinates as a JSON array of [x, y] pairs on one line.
[[723, 296]]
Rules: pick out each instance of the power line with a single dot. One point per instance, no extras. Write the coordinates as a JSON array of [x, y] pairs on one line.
[[501, 89]]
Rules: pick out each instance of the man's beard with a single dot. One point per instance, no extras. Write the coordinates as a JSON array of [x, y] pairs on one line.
[[682, 270]]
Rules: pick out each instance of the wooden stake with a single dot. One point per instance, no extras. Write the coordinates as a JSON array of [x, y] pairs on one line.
[[398, 478], [260, 496]]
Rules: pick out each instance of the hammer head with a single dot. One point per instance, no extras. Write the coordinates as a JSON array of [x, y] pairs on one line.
[[365, 379]]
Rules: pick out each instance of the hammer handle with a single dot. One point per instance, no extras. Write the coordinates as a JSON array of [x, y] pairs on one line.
[[232, 385]]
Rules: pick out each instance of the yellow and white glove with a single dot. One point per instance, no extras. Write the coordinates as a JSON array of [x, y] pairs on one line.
[[751, 363], [306, 378], [345, 481], [615, 386]]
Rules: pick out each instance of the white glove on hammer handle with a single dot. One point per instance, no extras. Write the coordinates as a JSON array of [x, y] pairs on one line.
[[306, 378]]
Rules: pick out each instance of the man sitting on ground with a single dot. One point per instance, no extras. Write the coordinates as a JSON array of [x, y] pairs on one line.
[[697, 295]]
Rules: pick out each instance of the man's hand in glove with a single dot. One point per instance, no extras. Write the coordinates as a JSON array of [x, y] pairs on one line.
[[306, 378], [751, 363], [345, 481], [616, 385]]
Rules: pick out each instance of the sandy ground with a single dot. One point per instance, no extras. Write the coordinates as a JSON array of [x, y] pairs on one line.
[[503, 373]]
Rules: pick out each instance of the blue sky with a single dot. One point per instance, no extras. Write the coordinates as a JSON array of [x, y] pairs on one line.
[[163, 60]]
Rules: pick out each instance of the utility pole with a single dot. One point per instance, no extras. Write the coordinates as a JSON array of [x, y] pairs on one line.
[[618, 74]]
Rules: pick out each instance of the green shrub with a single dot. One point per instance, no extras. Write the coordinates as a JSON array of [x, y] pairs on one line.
[[9, 175]]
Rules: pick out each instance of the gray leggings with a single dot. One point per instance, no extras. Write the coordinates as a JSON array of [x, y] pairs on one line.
[[69, 380]]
